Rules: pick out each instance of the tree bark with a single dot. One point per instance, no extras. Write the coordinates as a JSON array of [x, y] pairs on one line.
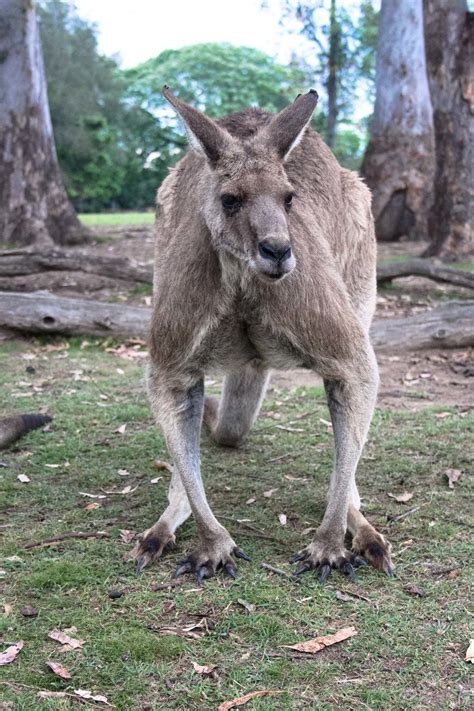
[[26, 262], [331, 84], [448, 326], [427, 268], [34, 207], [449, 33], [399, 162], [21, 262]]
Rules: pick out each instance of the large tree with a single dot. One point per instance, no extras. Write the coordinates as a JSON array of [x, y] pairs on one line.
[[34, 206], [342, 56], [449, 34], [399, 162]]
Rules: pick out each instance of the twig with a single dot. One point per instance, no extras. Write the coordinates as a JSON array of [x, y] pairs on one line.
[[281, 425], [16, 684], [279, 571], [354, 594], [169, 584], [66, 536], [393, 518], [283, 456], [256, 531]]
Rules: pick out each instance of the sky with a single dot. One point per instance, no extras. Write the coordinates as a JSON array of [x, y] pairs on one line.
[[136, 30]]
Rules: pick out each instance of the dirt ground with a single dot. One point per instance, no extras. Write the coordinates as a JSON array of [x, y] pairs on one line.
[[410, 380]]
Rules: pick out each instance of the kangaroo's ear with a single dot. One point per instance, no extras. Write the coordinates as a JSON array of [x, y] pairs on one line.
[[204, 135], [286, 130]]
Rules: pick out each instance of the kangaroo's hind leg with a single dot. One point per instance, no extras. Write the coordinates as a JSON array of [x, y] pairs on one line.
[[230, 418]]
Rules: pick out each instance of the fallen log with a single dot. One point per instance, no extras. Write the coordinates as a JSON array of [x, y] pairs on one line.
[[42, 312], [447, 326], [428, 268], [24, 262]]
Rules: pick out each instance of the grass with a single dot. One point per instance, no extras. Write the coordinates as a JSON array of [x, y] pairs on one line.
[[409, 650], [117, 218]]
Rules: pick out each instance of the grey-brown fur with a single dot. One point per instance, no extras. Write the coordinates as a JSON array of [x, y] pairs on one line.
[[265, 285]]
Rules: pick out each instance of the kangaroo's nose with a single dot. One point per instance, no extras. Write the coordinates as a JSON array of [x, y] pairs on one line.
[[275, 252]]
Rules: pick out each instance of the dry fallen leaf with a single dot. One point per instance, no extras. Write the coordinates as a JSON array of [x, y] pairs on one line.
[[7, 609], [85, 694], [312, 646], [470, 652], [249, 606], [10, 654], [282, 519], [156, 479], [127, 536], [241, 700], [126, 490], [63, 638], [92, 506], [23, 478], [251, 501], [442, 415], [59, 670], [452, 476], [123, 472], [204, 669], [51, 694], [159, 464], [188, 630], [268, 494], [121, 429], [402, 498]]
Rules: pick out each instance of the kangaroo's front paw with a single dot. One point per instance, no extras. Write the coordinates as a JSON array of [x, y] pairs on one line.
[[326, 552], [214, 553], [150, 545], [374, 548]]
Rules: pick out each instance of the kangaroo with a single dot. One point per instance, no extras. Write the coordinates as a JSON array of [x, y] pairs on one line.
[[265, 258]]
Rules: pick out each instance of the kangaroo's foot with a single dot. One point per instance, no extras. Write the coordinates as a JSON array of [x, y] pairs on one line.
[[151, 544], [325, 553], [370, 544], [214, 553]]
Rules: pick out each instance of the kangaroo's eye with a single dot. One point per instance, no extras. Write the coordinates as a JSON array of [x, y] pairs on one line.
[[230, 202], [289, 200]]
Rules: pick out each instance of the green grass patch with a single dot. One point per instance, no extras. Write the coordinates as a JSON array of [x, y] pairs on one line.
[[408, 651], [117, 218]]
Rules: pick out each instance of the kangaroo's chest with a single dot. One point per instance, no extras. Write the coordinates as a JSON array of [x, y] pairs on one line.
[[242, 337]]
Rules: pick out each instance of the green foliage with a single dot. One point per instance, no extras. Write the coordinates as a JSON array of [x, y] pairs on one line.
[[344, 42], [85, 98], [217, 78]]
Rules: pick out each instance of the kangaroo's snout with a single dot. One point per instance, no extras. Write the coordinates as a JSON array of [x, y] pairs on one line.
[[277, 252]]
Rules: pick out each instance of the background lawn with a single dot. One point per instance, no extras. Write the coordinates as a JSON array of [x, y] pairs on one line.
[[117, 218]]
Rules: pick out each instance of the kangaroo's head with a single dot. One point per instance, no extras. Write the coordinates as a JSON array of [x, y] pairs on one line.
[[248, 194]]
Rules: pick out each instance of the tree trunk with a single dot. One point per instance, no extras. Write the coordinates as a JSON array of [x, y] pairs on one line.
[[331, 84], [399, 162], [449, 33], [447, 326], [34, 206]]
